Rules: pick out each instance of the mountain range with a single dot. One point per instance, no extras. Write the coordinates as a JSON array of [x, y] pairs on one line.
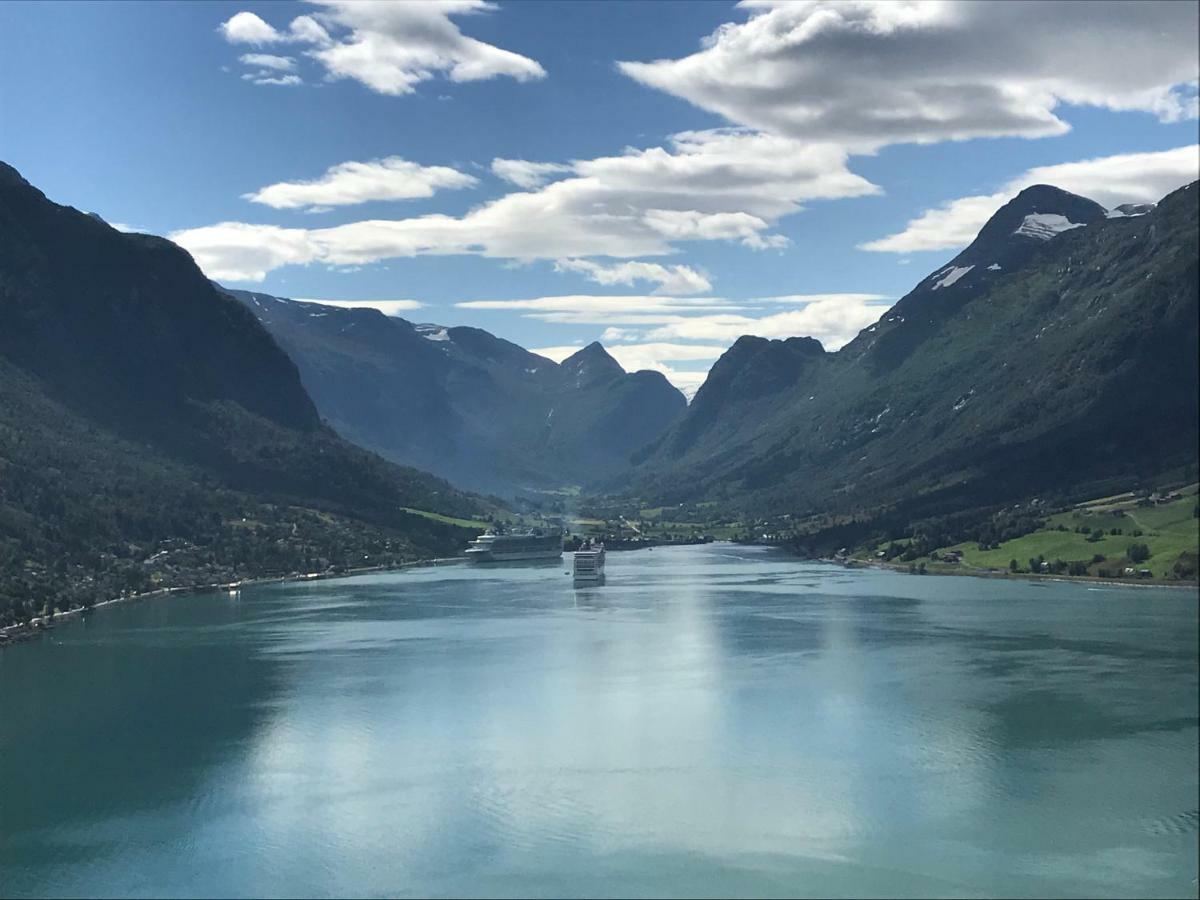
[[1056, 354], [459, 402]]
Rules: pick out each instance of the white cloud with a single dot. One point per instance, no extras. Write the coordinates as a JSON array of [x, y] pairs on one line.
[[267, 77], [234, 251], [387, 307], [868, 73], [805, 299], [673, 280], [834, 321], [393, 178], [713, 185], [247, 28], [1109, 180], [636, 306], [269, 61], [558, 354], [526, 174], [390, 47]]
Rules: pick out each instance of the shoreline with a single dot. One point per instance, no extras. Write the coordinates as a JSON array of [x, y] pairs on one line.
[[38, 625], [1123, 581]]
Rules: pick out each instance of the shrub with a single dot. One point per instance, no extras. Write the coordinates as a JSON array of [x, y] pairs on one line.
[[1139, 553]]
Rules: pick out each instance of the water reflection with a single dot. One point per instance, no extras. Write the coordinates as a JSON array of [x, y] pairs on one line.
[[710, 721]]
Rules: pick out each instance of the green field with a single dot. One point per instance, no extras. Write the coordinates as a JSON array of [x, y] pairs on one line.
[[474, 524], [1168, 530]]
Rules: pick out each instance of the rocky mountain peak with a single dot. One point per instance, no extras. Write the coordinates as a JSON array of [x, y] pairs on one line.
[[593, 363]]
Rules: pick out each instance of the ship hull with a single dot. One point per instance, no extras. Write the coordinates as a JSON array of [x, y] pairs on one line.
[[485, 556]]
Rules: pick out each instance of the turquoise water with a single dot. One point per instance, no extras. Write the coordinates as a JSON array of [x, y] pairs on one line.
[[713, 721]]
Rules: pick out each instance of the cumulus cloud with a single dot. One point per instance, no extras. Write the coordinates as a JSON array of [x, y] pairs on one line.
[[393, 178], [670, 279], [867, 73], [1109, 180], [247, 28], [724, 184], [526, 174], [387, 307], [390, 47], [234, 251]]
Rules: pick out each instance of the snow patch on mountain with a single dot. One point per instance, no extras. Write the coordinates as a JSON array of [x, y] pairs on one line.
[[951, 276], [1129, 210], [1044, 226], [433, 332]]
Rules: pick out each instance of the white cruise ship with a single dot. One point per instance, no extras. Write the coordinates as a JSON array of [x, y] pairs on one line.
[[506, 546], [589, 563]]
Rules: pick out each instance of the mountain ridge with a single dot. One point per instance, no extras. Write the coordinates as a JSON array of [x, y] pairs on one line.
[[458, 401], [992, 384]]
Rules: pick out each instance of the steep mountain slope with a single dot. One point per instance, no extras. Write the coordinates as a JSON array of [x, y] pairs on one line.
[[139, 405], [1059, 348], [473, 408]]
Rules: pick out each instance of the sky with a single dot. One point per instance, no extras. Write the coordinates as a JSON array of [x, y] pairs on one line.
[[662, 176]]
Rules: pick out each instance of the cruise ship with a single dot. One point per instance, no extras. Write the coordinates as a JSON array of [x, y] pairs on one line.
[[589, 563], [506, 546]]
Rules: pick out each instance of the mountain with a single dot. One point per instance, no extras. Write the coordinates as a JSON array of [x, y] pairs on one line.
[[478, 410], [1058, 350], [140, 405]]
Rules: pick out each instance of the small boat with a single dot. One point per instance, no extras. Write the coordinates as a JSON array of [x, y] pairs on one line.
[[588, 565]]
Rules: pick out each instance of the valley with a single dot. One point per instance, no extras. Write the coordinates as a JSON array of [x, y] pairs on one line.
[[1063, 369]]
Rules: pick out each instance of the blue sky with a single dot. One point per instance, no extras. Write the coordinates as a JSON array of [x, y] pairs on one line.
[[808, 131]]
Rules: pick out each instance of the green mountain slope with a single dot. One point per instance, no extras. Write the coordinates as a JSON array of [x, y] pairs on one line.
[[141, 409], [462, 403], [1057, 351]]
